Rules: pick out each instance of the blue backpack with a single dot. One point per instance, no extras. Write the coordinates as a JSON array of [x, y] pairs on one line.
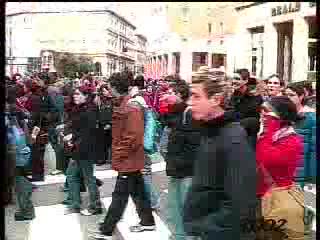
[[16, 136], [150, 129]]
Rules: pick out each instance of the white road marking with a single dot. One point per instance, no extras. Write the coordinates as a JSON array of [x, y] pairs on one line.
[[60, 178], [50, 223], [130, 218]]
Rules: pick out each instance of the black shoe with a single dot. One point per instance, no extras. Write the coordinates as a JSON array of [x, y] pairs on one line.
[[71, 211], [24, 215], [99, 182], [101, 163], [99, 234], [68, 202], [37, 179], [83, 188]]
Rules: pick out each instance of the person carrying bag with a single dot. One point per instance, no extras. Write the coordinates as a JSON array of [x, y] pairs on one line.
[[285, 206], [282, 213]]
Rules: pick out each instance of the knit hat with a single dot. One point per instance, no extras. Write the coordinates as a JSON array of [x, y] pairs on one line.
[[284, 108]]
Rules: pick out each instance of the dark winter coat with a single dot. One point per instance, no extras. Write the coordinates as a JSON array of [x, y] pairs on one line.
[[246, 106], [184, 141], [223, 188], [84, 118]]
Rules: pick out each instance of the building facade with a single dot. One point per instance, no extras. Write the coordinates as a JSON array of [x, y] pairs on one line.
[[199, 34], [266, 38], [278, 37], [100, 34], [140, 53]]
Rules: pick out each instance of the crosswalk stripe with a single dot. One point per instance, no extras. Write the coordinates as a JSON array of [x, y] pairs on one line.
[[130, 218], [50, 223], [60, 178]]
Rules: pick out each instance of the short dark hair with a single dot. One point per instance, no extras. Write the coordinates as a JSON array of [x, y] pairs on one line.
[[285, 108], [103, 86], [121, 81], [184, 89], [297, 87], [308, 87], [282, 83], [139, 82]]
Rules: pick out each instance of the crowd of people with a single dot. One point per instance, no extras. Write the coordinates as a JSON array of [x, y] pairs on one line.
[[230, 143]]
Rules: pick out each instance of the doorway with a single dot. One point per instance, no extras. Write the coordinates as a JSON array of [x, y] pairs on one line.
[[284, 51]]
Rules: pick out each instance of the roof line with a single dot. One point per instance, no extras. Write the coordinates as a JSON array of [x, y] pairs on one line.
[[79, 11], [249, 5], [141, 36]]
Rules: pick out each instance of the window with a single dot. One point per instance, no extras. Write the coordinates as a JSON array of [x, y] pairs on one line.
[[209, 28], [199, 59], [185, 11], [312, 52], [221, 28], [254, 64], [257, 51]]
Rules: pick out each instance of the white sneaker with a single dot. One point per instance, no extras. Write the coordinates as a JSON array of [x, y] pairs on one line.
[[100, 236], [142, 228]]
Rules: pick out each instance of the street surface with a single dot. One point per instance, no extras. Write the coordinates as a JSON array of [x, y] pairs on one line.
[[51, 223]]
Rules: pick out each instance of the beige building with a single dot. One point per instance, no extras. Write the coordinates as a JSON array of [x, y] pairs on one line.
[[140, 53], [200, 33], [278, 37], [101, 34]]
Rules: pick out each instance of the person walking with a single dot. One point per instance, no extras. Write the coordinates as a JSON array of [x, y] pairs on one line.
[[279, 152], [127, 160], [184, 141], [223, 189], [83, 145]]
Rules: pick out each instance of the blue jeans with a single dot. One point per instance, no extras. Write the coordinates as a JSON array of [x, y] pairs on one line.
[[177, 193], [74, 181], [24, 193], [151, 192]]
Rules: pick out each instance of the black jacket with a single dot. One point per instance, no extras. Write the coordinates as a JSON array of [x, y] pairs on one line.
[[224, 181], [184, 140], [247, 106], [84, 120]]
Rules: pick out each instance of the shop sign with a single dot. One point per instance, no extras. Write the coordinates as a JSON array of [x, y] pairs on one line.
[[286, 8]]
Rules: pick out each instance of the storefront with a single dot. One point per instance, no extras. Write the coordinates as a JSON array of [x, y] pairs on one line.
[[279, 37]]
